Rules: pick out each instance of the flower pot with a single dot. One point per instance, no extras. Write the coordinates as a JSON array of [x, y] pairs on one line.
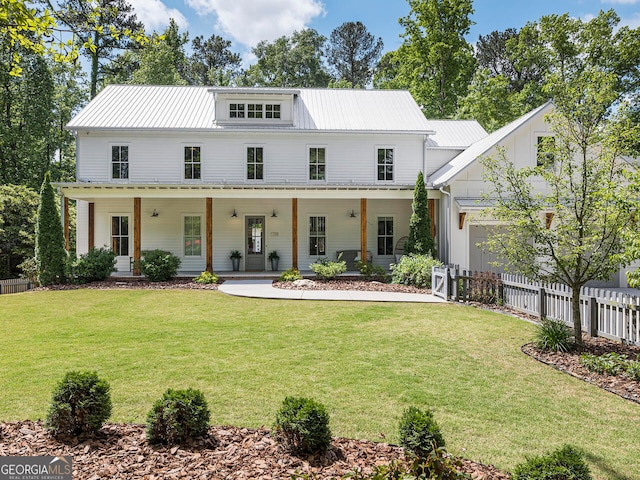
[[274, 264], [235, 264]]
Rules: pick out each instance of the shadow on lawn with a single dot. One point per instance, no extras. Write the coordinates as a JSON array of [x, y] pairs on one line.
[[605, 467]]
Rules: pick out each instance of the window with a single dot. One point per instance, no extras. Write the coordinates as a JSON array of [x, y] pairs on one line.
[[544, 154], [254, 110], [119, 162], [385, 235], [385, 164], [255, 163], [317, 163], [236, 110], [192, 236], [272, 111], [192, 163], [120, 235], [317, 235]]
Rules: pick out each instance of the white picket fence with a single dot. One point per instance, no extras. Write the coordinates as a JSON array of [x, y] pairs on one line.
[[15, 285]]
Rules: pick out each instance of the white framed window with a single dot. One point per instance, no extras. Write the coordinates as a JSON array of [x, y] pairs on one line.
[[119, 162], [236, 110], [545, 145], [272, 111], [317, 235], [120, 235], [192, 163], [385, 235], [317, 164], [384, 164], [255, 163], [192, 236], [254, 110]]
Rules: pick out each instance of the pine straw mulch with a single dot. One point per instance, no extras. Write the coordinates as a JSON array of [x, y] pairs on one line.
[[122, 452]]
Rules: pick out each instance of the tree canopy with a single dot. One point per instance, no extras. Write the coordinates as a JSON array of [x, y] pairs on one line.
[[353, 53]]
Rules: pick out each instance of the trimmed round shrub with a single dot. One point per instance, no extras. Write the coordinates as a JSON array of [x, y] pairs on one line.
[[553, 336], [159, 265], [94, 266], [206, 278], [566, 463], [178, 416], [290, 275], [419, 432], [414, 270], [80, 404], [302, 426]]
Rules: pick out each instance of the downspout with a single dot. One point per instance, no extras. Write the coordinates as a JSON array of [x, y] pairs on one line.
[[424, 156], [447, 225]]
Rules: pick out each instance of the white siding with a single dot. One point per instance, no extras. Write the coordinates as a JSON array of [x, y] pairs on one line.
[[82, 227]]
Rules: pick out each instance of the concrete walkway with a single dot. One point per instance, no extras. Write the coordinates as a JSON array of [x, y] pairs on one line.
[[265, 289]]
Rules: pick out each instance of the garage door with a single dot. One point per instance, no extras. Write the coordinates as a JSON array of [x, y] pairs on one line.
[[479, 259]]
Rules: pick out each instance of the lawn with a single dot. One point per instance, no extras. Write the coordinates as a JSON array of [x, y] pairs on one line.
[[364, 361]]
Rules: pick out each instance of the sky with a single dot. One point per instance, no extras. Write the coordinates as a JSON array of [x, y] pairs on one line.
[[246, 22]]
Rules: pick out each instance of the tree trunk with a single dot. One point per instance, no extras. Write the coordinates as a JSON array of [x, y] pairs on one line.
[[94, 65], [577, 317]]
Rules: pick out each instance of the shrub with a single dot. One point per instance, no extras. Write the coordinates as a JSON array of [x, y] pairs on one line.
[[632, 370], [80, 404], [30, 270], [612, 364], [290, 275], [419, 432], [484, 287], [372, 272], [206, 278], [50, 243], [302, 426], [94, 266], [553, 336], [326, 269], [178, 416], [159, 265], [565, 463], [414, 270]]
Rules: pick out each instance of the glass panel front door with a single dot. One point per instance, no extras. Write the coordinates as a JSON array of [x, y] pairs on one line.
[[254, 234]]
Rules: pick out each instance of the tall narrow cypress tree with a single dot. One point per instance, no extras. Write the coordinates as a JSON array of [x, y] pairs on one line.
[[51, 256], [420, 240]]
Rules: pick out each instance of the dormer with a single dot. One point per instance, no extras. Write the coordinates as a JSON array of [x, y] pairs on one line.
[[254, 107]]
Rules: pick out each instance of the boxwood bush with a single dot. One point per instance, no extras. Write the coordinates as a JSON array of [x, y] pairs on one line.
[[419, 432], [414, 270], [566, 463], [302, 426], [326, 269], [80, 404], [94, 266], [178, 416], [158, 265]]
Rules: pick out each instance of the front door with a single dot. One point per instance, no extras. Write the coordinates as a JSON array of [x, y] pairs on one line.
[[254, 259]]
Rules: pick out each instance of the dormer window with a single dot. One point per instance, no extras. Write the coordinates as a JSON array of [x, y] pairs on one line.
[[236, 110], [255, 111], [272, 111]]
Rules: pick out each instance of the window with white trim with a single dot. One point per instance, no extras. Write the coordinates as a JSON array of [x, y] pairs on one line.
[[317, 235], [385, 235], [120, 235], [236, 110], [317, 163], [119, 162], [255, 163], [545, 146], [254, 110], [192, 163], [192, 236], [385, 164], [272, 111]]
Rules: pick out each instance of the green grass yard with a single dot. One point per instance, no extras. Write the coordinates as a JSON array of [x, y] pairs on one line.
[[364, 361]]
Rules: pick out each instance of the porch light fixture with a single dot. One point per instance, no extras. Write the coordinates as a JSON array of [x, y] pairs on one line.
[[273, 214], [234, 214], [155, 213], [352, 214]]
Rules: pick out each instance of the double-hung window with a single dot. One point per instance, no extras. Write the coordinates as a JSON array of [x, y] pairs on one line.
[[255, 163], [317, 163], [385, 164], [317, 235], [120, 235], [192, 236], [385, 235], [192, 163], [119, 162]]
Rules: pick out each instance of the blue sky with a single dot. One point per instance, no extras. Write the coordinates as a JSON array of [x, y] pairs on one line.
[[246, 22]]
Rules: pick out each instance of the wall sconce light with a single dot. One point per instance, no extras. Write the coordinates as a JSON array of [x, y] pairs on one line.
[[352, 214], [273, 214], [155, 213], [234, 214]]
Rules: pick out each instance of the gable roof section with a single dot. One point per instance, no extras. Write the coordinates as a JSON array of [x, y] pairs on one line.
[[449, 171], [151, 107], [454, 134]]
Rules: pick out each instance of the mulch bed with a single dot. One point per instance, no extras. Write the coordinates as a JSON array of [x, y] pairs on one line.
[[342, 284], [122, 452], [136, 284]]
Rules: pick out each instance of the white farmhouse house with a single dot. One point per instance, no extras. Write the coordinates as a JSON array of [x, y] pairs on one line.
[[307, 173]]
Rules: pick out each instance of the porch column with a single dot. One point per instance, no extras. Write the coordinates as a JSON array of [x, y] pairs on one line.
[[92, 230], [294, 232], [363, 230], [137, 204], [209, 228], [65, 215]]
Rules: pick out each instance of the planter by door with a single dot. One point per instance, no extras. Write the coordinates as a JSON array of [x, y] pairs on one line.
[[274, 264], [235, 263]]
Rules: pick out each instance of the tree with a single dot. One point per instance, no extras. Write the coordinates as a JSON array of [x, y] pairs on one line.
[[590, 191], [353, 53], [51, 257], [213, 62], [435, 62], [294, 61], [18, 208], [158, 65], [420, 240]]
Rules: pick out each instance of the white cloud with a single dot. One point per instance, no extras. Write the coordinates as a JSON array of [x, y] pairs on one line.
[[621, 2], [631, 22], [155, 15], [250, 21]]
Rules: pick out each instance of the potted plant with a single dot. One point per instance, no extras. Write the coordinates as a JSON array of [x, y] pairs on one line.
[[235, 260], [274, 258]]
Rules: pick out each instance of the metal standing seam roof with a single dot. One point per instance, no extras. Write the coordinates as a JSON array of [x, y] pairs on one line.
[[149, 107], [454, 134], [446, 173]]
